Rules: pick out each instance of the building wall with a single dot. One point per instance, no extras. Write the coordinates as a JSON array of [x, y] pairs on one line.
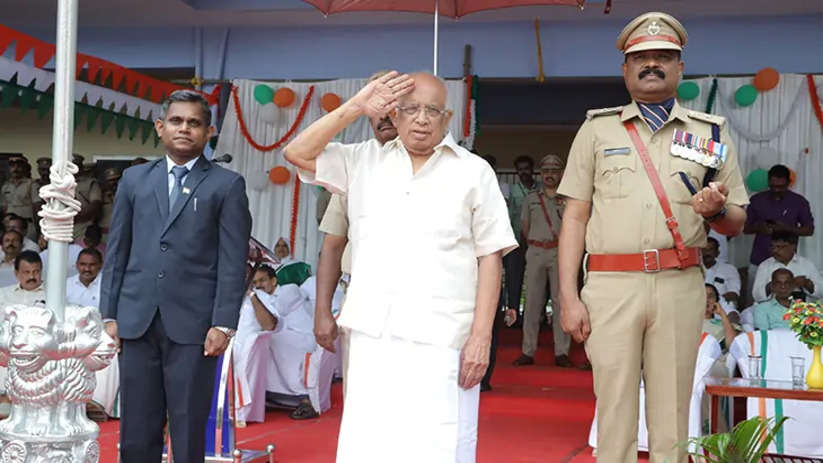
[[739, 45]]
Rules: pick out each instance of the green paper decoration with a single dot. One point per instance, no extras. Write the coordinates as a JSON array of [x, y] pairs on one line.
[[745, 95], [688, 91], [757, 180], [30, 98], [263, 94]]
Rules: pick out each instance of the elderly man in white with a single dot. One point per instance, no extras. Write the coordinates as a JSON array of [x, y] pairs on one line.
[[83, 289], [429, 228]]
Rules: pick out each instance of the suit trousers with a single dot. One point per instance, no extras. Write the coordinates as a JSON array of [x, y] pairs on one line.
[[515, 264], [541, 268], [161, 378], [649, 324]]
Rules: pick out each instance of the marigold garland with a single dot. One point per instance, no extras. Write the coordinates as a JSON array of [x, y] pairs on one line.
[[295, 203], [245, 131], [815, 99]]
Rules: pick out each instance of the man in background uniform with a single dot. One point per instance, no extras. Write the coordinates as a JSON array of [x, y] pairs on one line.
[[640, 181], [111, 177], [90, 196], [540, 222], [19, 194]]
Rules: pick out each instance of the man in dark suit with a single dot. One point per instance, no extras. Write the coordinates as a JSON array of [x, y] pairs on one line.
[[173, 283]]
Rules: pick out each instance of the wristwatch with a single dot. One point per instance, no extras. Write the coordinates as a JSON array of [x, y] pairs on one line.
[[227, 331], [714, 218]]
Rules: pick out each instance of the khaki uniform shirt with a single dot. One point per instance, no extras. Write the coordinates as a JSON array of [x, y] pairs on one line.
[[336, 222], [107, 209], [605, 169], [539, 229], [88, 191], [18, 197]]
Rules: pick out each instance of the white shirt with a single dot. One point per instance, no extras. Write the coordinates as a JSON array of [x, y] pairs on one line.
[[799, 266], [71, 262], [415, 238], [726, 279], [170, 164], [722, 245], [79, 294], [248, 324], [14, 294], [7, 276], [309, 288]]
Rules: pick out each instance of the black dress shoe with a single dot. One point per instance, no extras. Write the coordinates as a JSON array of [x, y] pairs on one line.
[[563, 361], [523, 360]]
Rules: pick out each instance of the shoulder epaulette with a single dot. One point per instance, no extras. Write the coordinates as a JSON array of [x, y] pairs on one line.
[[706, 117], [592, 113]]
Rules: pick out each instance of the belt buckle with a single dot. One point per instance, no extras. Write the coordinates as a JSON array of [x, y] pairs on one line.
[[648, 255]]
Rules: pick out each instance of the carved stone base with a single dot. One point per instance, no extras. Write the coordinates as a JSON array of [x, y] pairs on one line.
[[51, 369], [79, 451]]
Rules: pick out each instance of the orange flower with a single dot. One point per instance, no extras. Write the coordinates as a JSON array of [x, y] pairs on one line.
[[807, 321], [787, 316]]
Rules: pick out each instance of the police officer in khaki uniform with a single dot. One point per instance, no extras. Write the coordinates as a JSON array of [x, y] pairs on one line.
[[111, 177], [90, 196], [640, 181], [19, 193], [540, 220]]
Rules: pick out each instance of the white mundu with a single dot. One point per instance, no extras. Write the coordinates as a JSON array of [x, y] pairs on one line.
[[107, 390], [292, 346], [415, 242], [252, 359]]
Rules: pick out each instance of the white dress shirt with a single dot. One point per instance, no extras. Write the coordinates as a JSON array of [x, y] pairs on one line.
[[170, 164], [726, 279], [14, 294], [79, 294], [416, 238], [799, 266]]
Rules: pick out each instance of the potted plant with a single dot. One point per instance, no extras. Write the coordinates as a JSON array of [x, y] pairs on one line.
[[806, 320], [746, 442]]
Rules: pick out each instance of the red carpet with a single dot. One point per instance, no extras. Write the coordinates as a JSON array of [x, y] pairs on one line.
[[537, 413]]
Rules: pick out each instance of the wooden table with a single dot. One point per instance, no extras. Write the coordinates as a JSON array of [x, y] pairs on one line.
[[765, 388]]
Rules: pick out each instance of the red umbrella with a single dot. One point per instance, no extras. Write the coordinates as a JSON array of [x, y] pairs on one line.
[[450, 8]]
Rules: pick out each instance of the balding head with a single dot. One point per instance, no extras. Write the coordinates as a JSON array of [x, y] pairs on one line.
[[421, 117]]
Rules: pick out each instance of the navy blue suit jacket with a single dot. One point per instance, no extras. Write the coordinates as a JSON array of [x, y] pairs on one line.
[[189, 263]]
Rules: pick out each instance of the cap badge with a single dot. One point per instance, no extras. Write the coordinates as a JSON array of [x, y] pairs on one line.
[[653, 28]]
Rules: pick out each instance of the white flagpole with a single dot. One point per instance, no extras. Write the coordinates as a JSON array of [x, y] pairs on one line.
[[62, 142], [436, 14]]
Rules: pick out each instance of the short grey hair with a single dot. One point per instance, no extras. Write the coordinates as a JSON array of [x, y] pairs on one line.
[[186, 96]]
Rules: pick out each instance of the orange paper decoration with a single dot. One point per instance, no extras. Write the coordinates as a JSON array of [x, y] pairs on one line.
[[279, 175], [284, 97], [330, 102], [766, 79], [792, 177]]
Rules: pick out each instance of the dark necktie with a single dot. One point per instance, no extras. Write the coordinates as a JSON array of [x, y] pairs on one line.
[[179, 172], [656, 114]]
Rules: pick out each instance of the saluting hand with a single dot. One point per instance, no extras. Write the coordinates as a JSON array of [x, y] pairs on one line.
[[216, 343], [380, 96], [710, 200]]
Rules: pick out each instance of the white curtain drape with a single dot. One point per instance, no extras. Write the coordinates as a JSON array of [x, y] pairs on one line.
[[780, 127], [271, 205]]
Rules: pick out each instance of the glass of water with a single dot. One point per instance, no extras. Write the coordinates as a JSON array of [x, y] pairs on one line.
[[754, 366], [798, 372]]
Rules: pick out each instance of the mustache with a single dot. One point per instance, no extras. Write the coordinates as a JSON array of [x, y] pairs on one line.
[[385, 122], [654, 71], [32, 280]]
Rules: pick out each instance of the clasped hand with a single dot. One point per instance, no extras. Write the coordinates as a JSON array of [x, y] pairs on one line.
[[710, 200]]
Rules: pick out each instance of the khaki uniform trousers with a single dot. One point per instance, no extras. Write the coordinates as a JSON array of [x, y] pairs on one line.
[[541, 267], [649, 324]]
